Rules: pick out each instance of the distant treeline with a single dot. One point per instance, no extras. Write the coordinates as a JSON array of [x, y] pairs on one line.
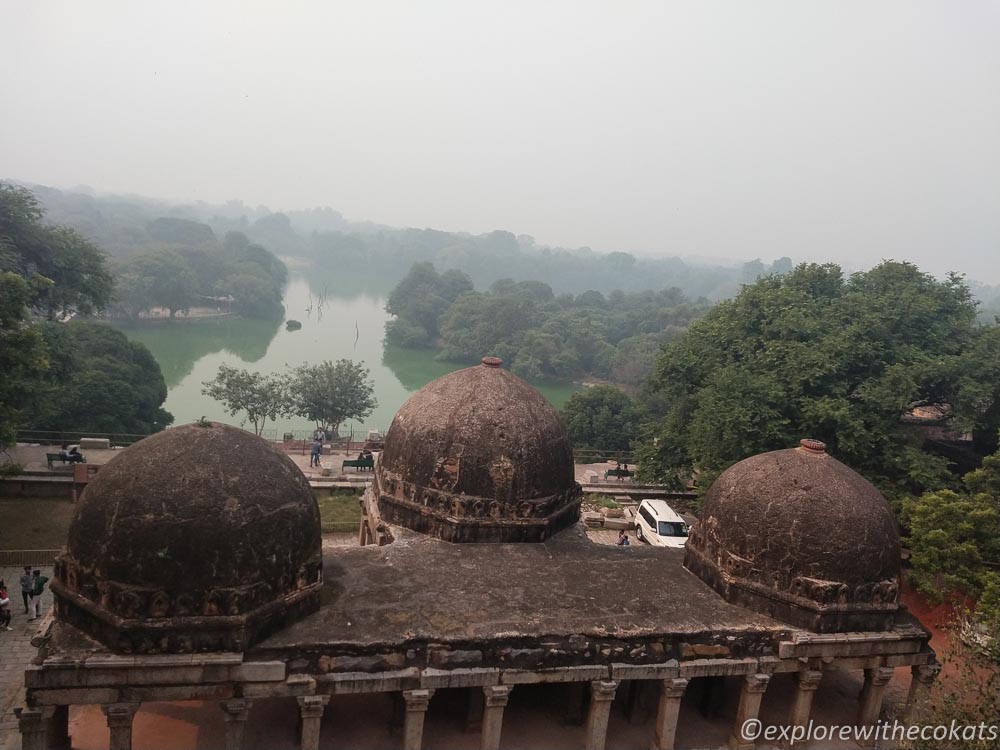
[[539, 334], [378, 256], [189, 267]]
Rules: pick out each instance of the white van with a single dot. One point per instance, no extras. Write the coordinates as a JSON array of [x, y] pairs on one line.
[[658, 524]]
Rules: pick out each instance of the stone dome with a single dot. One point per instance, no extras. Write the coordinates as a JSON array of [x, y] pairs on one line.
[[478, 455], [201, 537], [798, 535]]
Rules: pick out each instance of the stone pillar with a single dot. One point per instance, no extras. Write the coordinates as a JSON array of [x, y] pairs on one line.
[[602, 694], [751, 694], [871, 699], [671, 695], [120, 717], [806, 684], [363, 529], [495, 699], [920, 685], [235, 713], [311, 713], [58, 728], [33, 723], [417, 702]]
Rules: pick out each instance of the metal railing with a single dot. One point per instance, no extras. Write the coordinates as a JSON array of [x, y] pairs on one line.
[[15, 558]]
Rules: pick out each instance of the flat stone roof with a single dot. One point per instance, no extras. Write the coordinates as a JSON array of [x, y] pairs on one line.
[[422, 589]]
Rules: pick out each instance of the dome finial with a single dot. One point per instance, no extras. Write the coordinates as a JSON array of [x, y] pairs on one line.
[[813, 446], [492, 361]]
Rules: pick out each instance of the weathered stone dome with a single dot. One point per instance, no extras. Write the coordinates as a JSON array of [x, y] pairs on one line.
[[478, 455], [201, 537], [800, 536]]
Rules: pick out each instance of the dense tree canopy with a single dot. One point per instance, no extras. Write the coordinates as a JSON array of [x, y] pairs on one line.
[[814, 354], [64, 375], [538, 334], [98, 381], [602, 418], [75, 273], [177, 277]]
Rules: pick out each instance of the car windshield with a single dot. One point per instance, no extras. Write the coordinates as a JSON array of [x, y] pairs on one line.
[[673, 528]]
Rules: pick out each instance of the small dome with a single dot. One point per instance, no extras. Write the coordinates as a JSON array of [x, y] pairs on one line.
[[478, 455], [800, 536], [201, 537]]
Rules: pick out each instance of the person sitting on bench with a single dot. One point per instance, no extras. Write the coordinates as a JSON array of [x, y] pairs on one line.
[[71, 454]]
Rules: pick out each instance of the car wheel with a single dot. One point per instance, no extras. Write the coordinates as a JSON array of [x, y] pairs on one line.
[[638, 532]]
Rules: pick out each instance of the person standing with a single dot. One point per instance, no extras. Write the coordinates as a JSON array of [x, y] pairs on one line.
[[4, 606], [26, 585], [38, 582], [317, 451]]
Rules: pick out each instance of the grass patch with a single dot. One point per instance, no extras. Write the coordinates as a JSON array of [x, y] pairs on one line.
[[599, 499], [338, 509], [34, 522]]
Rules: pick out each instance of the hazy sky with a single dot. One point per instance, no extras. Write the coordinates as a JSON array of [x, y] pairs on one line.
[[820, 130]]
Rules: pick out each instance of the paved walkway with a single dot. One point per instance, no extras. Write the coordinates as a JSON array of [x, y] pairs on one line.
[[16, 653]]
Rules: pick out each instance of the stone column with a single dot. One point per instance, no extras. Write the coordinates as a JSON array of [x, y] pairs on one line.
[[671, 695], [495, 699], [920, 685], [235, 712], [311, 712], [871, 698], [806, 684], [417, 702], [33, 723], [120, 717], [602, 694], [751, 694]]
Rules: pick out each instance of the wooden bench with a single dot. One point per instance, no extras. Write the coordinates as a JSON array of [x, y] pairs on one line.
[[361, 464], [51, 458], [619, 474]]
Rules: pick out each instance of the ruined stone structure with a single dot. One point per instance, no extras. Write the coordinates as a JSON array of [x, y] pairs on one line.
[[798, 535], [224, 552], [478, 456], [475, 456]]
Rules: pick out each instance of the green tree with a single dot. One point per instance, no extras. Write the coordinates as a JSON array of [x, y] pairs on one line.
[[98, 381], [23, 356], [330, 393], [259, 397], [45, 271], [814, 354], [79, 281], [602, 418], [420, 300], [159, 278]]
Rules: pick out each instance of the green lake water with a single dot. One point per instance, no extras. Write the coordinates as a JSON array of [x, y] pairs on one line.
[[189, 352]]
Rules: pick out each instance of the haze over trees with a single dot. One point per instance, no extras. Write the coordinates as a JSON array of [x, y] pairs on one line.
[[376, 257], [57, 375], [235, 274], [538, 334]]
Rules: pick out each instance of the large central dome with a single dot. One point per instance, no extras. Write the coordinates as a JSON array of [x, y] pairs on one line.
[[478, 455]]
